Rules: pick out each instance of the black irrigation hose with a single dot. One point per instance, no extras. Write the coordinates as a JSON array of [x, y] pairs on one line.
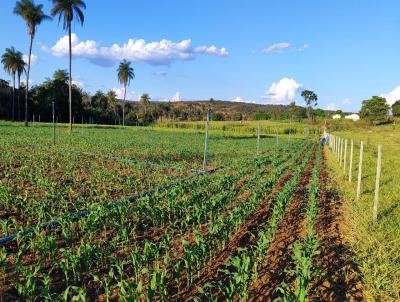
[[77, 216]]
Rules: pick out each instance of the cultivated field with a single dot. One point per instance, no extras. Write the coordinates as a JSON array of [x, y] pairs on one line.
[[255, 228]]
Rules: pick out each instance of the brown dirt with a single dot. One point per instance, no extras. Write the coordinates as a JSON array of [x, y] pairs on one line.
[[342, 278], [292, 227], [243, 237]]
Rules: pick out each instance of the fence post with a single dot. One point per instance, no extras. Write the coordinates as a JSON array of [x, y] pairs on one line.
[[336, 145], [258, 139], [341, 152], [337, 148], [54, 124], [33, 121], [351, 160], [360, 170], [345, 157], [206, 142], [378, 177]]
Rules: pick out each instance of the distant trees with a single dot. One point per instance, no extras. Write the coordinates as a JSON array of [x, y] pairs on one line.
[[311, 101], [14, 65], [261, 116], [396, 108], [56, 90], [125, 75], [33, 16], [296, 113], [68, 10], [375, 109]]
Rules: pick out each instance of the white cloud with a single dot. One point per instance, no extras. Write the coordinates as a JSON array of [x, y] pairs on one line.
[[176, 97], [78, 82], [393, 96], [31, 82], [162, 73], [277, 47], [332, 107], [304, 47], [161, 52], [238, 99], [212, 50], [346, 102], [130, 95], [34, 58], [282, 92]]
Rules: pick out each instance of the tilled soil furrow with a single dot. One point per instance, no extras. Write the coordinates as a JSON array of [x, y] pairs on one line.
[[341, 279], [240, 238], [243, 237], [292, 227]]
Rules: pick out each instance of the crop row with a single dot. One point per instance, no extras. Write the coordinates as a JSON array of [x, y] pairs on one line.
[[242, 268], [304, 252], [69, 260]]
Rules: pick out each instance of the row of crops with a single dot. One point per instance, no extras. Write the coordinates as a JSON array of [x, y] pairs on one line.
[[161, 246]]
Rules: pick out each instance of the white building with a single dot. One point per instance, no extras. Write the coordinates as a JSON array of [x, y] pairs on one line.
[[354, 117], [336, 116]]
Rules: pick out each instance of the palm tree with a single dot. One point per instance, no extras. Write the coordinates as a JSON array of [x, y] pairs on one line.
[[61, 75], [144, 102], [33, 15], [20, 70], [9, 61], [68, 10], [125, 75]]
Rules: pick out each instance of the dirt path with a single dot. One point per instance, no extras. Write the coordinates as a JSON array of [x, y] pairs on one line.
[[342, 279]]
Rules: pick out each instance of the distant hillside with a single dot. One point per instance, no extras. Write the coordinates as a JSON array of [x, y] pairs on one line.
[[226, 110]]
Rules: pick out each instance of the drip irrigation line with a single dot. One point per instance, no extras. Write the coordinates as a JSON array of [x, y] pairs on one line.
[[77, 216]]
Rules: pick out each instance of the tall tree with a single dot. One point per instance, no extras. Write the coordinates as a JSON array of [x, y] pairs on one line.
[[125, 75], [144, 102], [9, 60], [68, 10], [311, 101], [61, 75], [396, 108], [20, 70], [33, 16], [374, 110]]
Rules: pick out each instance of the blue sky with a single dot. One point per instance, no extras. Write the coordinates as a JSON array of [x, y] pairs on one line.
[[256, 50]]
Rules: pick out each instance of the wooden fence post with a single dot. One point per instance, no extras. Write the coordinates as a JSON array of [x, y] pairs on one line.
[[360, 170], [341, 152], [205, 159], [345, 156], [258, 139], [378, 177], [351, 160]]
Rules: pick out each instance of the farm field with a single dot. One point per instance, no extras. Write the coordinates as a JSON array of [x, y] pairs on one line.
[[257, 227]]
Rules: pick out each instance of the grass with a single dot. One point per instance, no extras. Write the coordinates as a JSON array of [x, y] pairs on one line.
[[376, 245]]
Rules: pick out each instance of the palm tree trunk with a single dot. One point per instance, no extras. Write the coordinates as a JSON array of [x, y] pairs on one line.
[[123, 107], [18, 98], [27, 81], [13, 98], [70, 78]]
